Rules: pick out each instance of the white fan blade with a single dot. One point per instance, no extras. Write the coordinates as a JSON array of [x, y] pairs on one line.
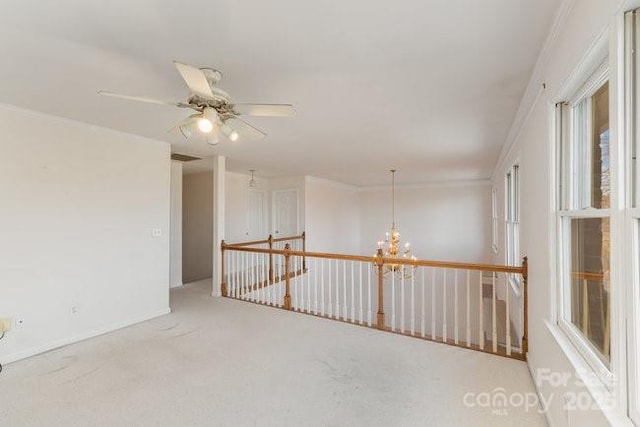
[[268, 110], [195, 79], [142, 99], [244, 128]]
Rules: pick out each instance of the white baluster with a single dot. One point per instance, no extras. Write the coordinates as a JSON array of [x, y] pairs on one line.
[[265, 277], [353, 291], [308, 274], [269, 289], [493, 315], [315, 286], [507, 313], [369, 296], [237, 264], [254, 282], [393, 301], [260, 278], [344, 291], [244, 275], [247, 276], [330, 303], [295, 286], [423, 313], [361, 313], [413, 303], [468, 309], [278, 293], [433, 303], [444, 305], [402, 272], [481, 315], [301, 307], [337, 308], [232, 274], [455, 306]]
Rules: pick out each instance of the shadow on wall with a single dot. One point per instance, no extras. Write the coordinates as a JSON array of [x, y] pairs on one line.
[[197, 226]]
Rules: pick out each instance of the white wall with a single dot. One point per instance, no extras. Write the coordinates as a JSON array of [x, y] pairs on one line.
[[78, 206], [197, 226], [586, 20], [442, 222], [175, 268], [236, 192], [332, 221]]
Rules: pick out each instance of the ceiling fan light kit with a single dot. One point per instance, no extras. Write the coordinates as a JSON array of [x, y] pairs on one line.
[[216, 114]]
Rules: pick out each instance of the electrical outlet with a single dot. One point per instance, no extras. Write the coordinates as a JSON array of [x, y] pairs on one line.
[[75, 307], [156, 232], [5, 324]]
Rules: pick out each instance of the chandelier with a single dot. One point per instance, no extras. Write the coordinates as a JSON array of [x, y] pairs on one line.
[[252, 181], [391, 246]]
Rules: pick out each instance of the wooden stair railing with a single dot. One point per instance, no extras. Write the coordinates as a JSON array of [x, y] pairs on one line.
[[270, 243], [447, 296]]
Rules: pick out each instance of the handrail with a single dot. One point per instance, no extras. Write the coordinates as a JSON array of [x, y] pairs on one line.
[[372, 259], [267, 240], [254, 281]]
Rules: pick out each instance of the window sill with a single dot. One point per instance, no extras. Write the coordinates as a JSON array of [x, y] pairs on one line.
[[604, 398]]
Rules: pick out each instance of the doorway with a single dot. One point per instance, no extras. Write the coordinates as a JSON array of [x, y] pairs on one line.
[[197, 226]]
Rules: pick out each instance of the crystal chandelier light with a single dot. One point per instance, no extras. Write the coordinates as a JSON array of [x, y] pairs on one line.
[[391, 245]]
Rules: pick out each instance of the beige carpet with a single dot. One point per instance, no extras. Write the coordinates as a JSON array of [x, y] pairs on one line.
[[219, 362]]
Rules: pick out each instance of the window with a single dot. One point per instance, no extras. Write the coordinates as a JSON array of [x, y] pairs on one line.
[[584, 220], [494, 220], [512, 216]]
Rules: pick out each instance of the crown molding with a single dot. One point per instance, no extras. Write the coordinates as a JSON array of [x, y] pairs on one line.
[[439, 184], [335, 184]]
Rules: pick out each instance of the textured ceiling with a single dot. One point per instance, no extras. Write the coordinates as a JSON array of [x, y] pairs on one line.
[[427, 86]]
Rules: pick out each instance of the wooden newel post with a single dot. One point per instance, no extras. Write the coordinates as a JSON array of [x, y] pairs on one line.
[[525, 291], [270, 259], [304, 249], [287, 281], [380, 266], [223, 284]]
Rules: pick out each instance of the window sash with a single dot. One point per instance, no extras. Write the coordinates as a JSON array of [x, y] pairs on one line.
[[596, 360], [574, 158]]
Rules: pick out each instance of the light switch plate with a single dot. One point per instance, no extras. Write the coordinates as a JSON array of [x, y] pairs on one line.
[[156, 232]]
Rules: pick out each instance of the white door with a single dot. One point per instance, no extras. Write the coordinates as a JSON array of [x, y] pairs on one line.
[[285, 213], [256, 215]]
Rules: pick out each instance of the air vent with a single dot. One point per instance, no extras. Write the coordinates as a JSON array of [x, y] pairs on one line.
[[183, 157]]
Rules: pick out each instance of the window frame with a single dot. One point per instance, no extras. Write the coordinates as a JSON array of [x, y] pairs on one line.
[[631, 196], [512, 223], [569, 206], [494, 220]]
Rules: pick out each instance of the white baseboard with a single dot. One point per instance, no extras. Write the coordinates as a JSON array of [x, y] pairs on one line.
[[23, 354]]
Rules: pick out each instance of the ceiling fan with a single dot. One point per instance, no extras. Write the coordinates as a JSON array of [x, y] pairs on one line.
[[215, 113]]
